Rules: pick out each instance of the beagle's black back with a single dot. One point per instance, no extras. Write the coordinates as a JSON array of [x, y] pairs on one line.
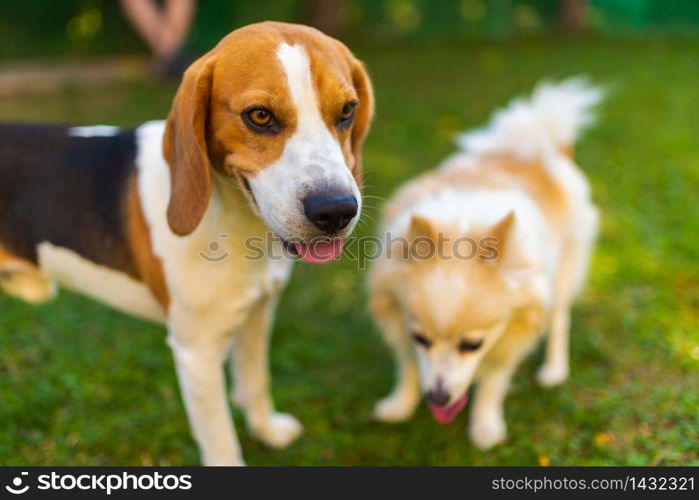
[[65, 190]]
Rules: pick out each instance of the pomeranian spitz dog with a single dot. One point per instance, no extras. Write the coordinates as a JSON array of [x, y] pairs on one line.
[[487, 252]]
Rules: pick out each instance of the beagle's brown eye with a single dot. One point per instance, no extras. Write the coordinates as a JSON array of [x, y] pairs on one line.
[[347, 115], [260, 120], [348, 110], [420, 339], [469, 345], [260, 117]]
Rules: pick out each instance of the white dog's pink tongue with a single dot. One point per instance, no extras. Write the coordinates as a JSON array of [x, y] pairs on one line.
[[445, 414], [319, 252]]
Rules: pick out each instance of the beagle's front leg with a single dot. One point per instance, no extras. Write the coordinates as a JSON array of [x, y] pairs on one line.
[[250, 370], [199, 362]]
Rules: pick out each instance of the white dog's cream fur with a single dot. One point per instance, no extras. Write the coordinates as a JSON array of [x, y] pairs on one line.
[[474, 320]]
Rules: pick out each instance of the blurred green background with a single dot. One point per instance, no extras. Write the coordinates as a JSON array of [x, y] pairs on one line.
[[37, 27], [81, 384]]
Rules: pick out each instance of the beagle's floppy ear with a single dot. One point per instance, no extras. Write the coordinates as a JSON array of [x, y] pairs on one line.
[[185, 149], [365, 112]]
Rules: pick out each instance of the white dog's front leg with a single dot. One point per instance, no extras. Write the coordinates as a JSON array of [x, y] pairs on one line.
[[202, 382], [251, 380], [401, 403], [487, 421]]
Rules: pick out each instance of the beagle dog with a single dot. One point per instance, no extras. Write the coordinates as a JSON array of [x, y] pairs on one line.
[[263, 143]]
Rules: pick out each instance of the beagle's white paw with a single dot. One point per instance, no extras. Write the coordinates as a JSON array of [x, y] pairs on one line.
[[279, 431], [486, 433], [223, 461], [552, 375]]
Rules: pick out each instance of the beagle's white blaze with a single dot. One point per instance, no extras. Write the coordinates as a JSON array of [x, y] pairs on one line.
[[298, 75], [114, 288], [312, 158]]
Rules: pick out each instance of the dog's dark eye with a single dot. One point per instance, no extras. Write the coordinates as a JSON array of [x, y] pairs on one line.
[[422, 340], [469, 345], [347, 115], [260, 120]]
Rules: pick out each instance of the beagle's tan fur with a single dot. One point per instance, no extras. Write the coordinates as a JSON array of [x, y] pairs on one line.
[[275, 114]]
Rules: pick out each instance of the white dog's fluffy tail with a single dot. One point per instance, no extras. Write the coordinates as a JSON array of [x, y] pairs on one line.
[[552, 117]]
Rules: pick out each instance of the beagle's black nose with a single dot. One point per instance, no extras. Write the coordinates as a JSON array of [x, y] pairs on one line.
[[438, 396], [330, 212]]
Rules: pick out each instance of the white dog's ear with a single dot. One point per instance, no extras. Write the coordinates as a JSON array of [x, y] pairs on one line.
[[423, 239], [518, 270], [421, 227], [495, 241], [419, 243]]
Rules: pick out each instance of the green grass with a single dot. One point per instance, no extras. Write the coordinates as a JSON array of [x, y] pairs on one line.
[[81, 384]]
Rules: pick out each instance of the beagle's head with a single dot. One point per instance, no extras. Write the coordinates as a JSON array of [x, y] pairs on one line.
[[282, 110]]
